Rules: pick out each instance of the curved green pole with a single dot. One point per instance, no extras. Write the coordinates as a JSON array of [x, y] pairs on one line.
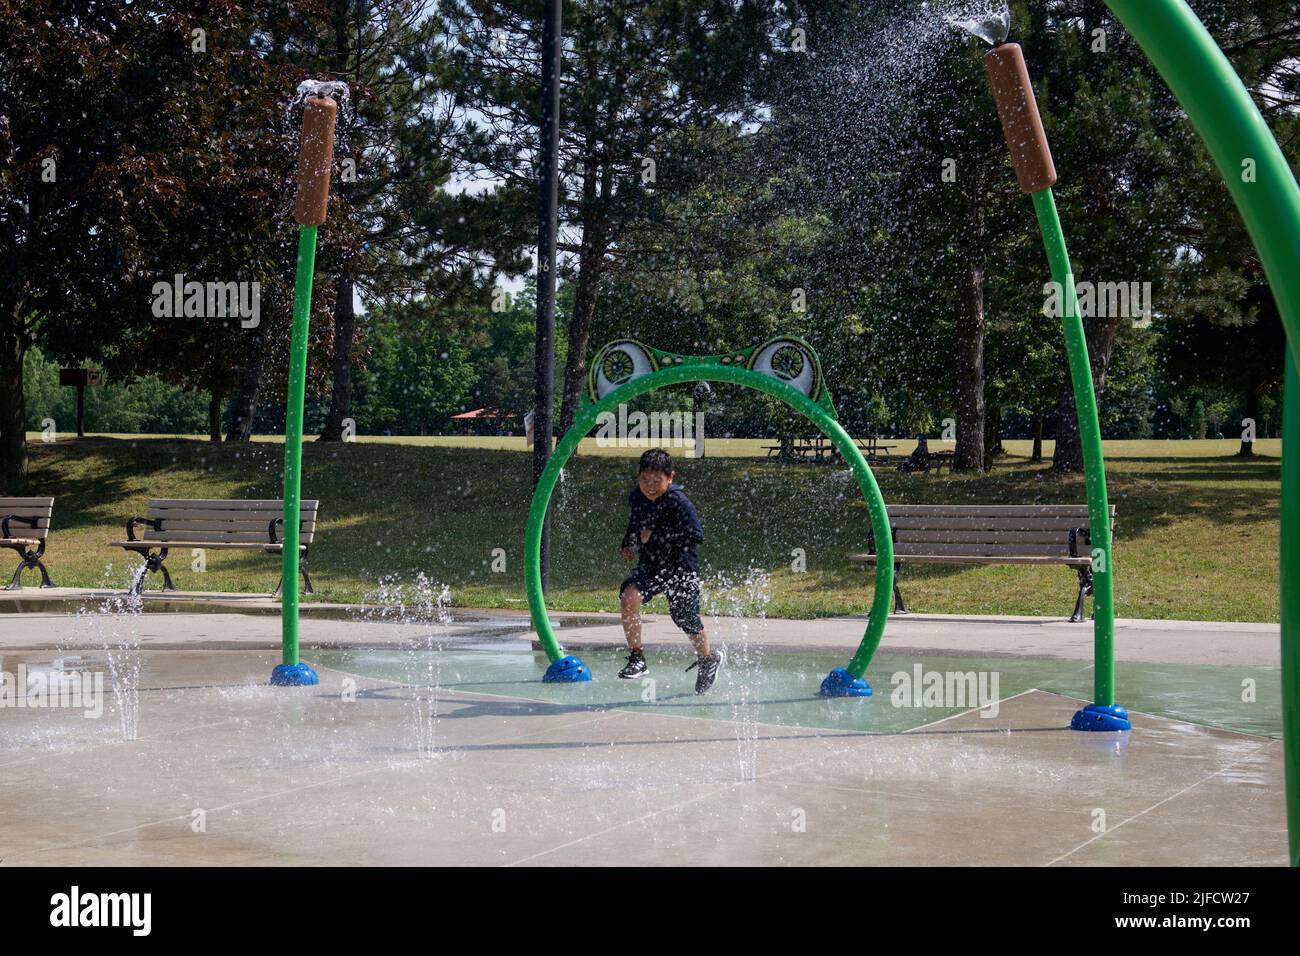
[[1094, 463], [1222, 111], [687, 372], [293, 442]]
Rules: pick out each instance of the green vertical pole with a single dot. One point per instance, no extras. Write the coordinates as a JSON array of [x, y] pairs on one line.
[[310, 207], [1291, 602], [293, 440], [1094, 464], [1022, 126]]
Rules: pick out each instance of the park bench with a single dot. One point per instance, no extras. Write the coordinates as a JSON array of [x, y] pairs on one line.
[[24, 525], [248, 525], [990, 534]]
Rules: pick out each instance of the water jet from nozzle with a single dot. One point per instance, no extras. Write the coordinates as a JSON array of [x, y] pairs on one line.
[[992, 26]]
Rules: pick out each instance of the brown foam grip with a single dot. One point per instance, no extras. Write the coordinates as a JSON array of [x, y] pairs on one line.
[[1023, 127], [315, 159]]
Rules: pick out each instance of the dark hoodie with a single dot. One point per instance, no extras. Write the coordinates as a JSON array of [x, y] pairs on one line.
[[675, 526]]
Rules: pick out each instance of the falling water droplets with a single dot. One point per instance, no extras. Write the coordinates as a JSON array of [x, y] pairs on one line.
[[739, 608], [425, 607], [113, 626]]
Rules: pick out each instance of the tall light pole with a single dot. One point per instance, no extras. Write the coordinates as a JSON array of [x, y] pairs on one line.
[[547, 224]]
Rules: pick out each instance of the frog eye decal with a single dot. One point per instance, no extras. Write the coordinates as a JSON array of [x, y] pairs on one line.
[[790, 361], [617, 364]]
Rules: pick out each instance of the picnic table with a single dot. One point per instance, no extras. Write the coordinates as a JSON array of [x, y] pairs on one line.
[[872, 448], [934, 460], [819, 448]]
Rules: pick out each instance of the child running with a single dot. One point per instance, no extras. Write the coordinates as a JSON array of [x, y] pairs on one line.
[[665, 529]]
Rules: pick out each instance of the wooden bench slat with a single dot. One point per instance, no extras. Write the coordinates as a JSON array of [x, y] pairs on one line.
[[235, 537], [229, 504], [990, 510], [225, 545], [941, 535], [1007, 523], [12, 503], [979, 559], [173, 525], [991, 550], [199, 514]]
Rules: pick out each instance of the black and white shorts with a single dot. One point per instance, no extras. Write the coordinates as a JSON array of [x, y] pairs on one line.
[[681, 587]]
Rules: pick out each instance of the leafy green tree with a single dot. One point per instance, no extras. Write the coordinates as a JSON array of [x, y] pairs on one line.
[[402, 231], [418, 376], [638, 78]]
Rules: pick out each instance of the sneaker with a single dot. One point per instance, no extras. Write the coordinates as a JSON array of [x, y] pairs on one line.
[[708, 671], [635, 666]]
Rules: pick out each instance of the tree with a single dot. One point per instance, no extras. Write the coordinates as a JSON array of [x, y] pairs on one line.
[[1135, 180], [402, 231], [418, 375], [105, 194], [636, 76]]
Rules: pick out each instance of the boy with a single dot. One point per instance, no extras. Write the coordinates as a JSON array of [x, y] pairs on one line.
[[666, 530]]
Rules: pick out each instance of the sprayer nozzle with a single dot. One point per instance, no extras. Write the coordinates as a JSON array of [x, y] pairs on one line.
[[1018, 110], [315, 159]]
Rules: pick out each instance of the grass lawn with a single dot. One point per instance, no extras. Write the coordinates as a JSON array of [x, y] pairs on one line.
[[1197, 528]]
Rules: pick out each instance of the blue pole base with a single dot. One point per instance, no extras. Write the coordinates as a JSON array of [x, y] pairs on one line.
[[1103, 717], [294, 675], [567, 670], [840, 683]]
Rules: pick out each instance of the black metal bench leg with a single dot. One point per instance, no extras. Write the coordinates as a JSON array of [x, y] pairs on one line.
[[899, 606], [279, 585], [45, 575], [1085, 587], [31, 559], [153, 563]]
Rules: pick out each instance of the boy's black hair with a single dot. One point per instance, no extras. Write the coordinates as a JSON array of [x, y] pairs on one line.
[[656, 459]]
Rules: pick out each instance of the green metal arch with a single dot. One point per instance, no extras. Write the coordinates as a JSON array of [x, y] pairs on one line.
[[702, 371]]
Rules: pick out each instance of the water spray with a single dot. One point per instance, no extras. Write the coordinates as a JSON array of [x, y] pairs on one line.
[[1031, 155], [315, 159]]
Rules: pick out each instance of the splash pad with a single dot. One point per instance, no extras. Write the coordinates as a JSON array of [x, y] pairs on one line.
[[1223, 113]]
